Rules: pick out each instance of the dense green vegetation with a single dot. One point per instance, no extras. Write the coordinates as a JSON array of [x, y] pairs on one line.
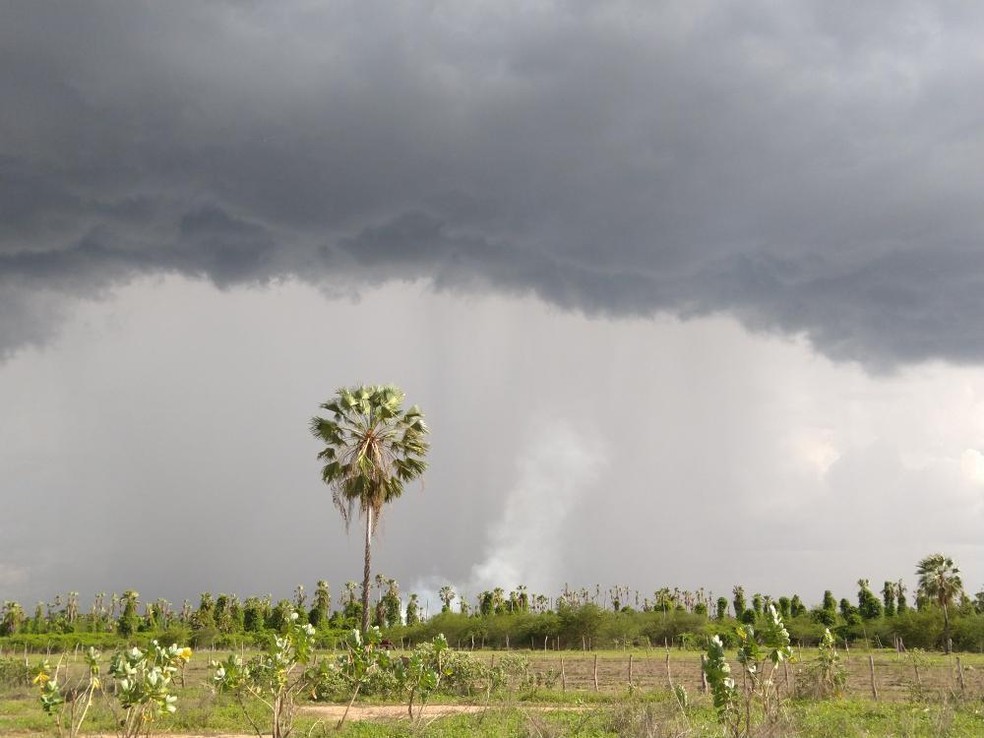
[[575, 619]]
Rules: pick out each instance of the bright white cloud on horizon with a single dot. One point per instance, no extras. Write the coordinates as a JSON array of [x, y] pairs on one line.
[[160, 442]]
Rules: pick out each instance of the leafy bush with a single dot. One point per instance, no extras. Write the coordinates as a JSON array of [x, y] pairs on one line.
[[14, 673], [826, 676], [272, 677], [760, 656]]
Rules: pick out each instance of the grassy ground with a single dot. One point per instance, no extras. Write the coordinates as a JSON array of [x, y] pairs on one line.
[[919, 695]]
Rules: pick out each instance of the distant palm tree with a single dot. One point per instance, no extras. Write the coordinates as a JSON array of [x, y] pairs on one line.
[[939, 580], [373, 447], [447, 595]]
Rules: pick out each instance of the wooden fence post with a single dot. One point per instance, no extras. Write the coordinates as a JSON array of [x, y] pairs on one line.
[[563, 675], [703, 674], [595, 676], [871, 668], [630, 669]]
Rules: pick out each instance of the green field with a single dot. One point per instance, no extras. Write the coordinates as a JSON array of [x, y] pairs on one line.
[[555, 694]]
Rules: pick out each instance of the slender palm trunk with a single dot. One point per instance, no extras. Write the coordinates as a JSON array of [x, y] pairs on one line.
[[365, 573], [946, 630]]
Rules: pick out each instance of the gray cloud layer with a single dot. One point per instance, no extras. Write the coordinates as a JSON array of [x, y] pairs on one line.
[[811, 167]]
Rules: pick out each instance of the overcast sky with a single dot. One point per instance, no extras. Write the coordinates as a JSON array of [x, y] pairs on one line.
[[691, 293]]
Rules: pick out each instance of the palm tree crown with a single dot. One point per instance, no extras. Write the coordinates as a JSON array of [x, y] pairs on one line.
[[373, 447], [939, 580]]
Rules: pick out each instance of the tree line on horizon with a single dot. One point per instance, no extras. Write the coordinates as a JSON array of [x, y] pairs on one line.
[[575, 619]]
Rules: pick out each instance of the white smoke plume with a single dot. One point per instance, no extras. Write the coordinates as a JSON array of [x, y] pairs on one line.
[[557, 465]]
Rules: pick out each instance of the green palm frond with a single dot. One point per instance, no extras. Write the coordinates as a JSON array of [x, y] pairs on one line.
[[373, 447]]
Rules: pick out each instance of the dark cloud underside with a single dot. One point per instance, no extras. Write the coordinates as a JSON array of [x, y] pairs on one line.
[[811, 167]]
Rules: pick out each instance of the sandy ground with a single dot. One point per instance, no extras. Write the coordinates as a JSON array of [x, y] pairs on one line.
[[333, 713], [385, 712]]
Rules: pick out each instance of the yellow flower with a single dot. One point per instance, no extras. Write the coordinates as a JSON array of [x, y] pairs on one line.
[[41, 679]]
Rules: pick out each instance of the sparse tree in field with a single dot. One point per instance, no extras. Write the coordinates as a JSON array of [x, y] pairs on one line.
[[901, 605], [888, 599], [979, 603], [722, 607], [128, 620], [498, 600], [163, 613], [392, 604], [98, 613], [739, 600], [72, 607], [849, 612], [615, 595], [757, 603], [223, 614], [321, 609], [255, 613], [784, 607], [663, 600], [373, 448], [350, 588], [413, 610], [869, 606], [939, 581], [447, 595], [485, 603], [280, 615], [522, 598], [13, 618], [796, 606], [205, 617]]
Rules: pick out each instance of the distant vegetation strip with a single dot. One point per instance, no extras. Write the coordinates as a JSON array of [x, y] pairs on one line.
[[580, 619]]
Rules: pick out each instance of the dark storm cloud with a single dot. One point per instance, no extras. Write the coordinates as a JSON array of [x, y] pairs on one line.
[[812, 168]]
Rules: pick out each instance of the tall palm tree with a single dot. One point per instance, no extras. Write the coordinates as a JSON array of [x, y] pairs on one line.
[[939, 580], [373, 447]]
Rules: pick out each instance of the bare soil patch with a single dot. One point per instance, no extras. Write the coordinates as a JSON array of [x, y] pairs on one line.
[[385, 712]]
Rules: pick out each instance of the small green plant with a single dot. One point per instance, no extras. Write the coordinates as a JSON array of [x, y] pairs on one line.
[[68, 705], [724, 693], [363, 661], [682, 698], [420, 673], [825, 677], [142, 685], [760, 657], [272, 678]]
